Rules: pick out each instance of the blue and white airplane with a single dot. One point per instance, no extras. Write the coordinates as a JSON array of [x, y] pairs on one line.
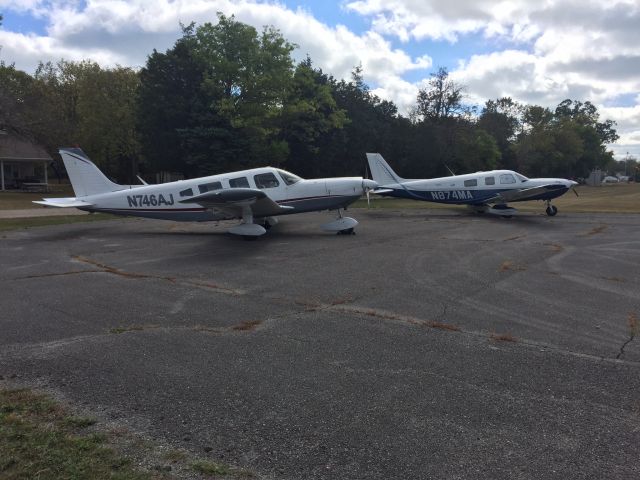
[[254, 196], [482, 191]]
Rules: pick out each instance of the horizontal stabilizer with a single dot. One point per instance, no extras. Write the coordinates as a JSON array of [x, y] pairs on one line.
[[63, 202]]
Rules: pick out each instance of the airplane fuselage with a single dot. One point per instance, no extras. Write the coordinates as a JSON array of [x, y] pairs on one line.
[[167, 200], [474, 188]]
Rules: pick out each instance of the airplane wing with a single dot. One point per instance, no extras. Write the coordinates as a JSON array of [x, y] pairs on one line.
[[382, 190], [231, 201], [525, 194], [63, 202]]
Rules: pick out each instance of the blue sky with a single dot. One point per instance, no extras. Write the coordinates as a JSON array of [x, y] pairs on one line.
[[534, 52]]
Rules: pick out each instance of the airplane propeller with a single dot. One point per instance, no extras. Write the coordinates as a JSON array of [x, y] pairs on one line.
[[367, 186]]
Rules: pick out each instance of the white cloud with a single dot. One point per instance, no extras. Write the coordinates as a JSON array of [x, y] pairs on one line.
[[549, 51], [125, 32]]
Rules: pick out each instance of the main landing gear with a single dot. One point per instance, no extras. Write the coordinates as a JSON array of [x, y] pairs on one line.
[[551, 209]]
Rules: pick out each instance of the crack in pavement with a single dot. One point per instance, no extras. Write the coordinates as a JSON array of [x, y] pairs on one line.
[[632, 321], [103, 268]]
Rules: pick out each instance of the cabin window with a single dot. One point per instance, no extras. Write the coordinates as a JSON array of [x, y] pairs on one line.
[[187, 193], [490, 180], [209, 187], [266, 180], [289, 178], [471, 183], [240, 182], [507, 178]]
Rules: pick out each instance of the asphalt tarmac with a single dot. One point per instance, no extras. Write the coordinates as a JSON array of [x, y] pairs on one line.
[[432, 344]]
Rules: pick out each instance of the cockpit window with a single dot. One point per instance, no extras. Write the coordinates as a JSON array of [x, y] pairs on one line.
[[490, 180], [507, 178], [289, 178], [522, 178], [266, 180]]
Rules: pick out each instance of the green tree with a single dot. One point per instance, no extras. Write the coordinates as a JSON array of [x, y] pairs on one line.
[[16, 101], [443, 99], [309, 113], [227, 116], [83, 104], [170, 100], [569, 141], [501, 119], [372, 126]]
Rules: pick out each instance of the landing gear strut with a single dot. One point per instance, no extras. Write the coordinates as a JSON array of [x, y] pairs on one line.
[[551, 209]]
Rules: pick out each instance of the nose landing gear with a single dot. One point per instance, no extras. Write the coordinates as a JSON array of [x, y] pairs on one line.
[[551, 209]]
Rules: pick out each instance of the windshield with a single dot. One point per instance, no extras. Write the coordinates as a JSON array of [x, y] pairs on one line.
[[289, 178], [522, 178]]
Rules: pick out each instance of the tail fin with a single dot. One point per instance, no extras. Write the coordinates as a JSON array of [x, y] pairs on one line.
[[85, 177], [381, 172]]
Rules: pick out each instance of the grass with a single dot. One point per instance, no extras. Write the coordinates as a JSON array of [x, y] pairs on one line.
[[211, 468], [19, 223], [130, 328], [613, 198], [17, 200], [39, 439]]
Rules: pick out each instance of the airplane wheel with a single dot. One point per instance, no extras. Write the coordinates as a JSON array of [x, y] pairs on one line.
[[266, 225], [552, 210]]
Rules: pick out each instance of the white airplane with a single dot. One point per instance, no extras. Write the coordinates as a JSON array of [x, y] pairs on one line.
[[255, 196], [482, 191]]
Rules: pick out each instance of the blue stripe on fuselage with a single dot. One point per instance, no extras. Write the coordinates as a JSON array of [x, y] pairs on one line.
[[466, 196]]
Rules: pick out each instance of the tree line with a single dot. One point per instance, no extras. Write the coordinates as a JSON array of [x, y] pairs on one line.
[[227, 97]]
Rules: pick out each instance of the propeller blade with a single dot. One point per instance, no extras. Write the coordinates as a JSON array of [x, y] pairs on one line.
[[576, 192], [368, 199]]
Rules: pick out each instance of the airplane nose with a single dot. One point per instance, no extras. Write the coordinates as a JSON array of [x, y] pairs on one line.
[[368, 184]]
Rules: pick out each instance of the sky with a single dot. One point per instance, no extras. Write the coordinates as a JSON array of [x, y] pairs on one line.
[[540, 52]]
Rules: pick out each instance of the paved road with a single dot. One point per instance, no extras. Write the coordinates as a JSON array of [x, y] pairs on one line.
[[40, 212], [429, 345]]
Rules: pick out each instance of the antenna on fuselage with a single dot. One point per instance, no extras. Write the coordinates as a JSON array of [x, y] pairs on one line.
[[450, 171]]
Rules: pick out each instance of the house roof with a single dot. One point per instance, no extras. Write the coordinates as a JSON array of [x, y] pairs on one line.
[[16, 149]]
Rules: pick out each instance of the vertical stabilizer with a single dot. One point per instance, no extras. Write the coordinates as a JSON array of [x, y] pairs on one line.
[[381, 172], [85, 177]]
